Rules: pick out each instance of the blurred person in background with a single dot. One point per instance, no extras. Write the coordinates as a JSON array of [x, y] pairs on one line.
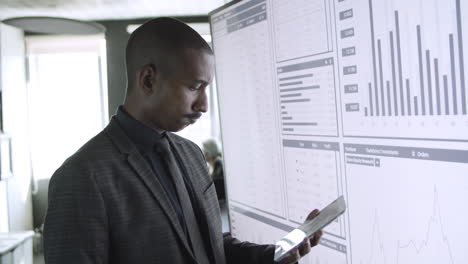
[[216, 167]]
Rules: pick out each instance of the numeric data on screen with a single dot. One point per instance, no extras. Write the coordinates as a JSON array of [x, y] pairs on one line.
[[361, 98]]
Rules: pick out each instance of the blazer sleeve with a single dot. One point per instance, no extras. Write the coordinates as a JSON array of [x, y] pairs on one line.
[[245, 252], [76, 227]]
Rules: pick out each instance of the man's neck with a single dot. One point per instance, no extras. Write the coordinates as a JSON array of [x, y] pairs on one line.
[[132, 113]]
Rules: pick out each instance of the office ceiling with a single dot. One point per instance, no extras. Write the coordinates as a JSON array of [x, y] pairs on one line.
[[106, 9]]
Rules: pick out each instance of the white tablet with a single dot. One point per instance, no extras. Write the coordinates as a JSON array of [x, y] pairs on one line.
[[296, 237]]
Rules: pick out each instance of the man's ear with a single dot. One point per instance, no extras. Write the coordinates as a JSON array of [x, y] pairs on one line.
[[147, 78]]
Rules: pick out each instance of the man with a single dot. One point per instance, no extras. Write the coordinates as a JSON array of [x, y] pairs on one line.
[[137, 193]]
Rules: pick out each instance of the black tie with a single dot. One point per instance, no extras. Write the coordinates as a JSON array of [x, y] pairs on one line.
[[190, 220]]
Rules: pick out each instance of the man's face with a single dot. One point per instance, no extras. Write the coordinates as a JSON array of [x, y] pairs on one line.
[[180, 99]]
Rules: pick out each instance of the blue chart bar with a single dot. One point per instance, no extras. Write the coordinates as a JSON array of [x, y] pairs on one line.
[[460, 54], [454, 84], [392, 56], [447, 111], [416, 105], [300, 88], [371, 105], [437, 83], [421, 76], [300, 124], [382, 94], [296, 77], [290, 95], [295, 101], [408, 96], [289, 83], [429, 82], [431, 79], [400, 74], [374, 62], [389, 104]]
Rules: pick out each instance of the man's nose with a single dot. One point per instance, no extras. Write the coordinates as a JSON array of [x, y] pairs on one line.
[[201, 104]]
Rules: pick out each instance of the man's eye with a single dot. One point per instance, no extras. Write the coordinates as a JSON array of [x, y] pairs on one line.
[[194, 87]]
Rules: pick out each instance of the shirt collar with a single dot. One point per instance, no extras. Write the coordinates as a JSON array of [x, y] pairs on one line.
[[143, 136]]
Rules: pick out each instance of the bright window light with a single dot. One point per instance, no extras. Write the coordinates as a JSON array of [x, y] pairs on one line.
[[66, 98]]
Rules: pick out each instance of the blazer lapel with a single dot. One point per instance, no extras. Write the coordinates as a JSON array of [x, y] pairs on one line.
[[206, 210], [143, 170]]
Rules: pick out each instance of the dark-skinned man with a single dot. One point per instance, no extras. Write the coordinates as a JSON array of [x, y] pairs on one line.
[[137, 193]]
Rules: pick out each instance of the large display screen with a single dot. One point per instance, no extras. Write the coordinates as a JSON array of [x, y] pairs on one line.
[[361, 98]]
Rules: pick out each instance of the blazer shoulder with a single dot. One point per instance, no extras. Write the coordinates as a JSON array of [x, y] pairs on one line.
[[106, 145], [97, 150]]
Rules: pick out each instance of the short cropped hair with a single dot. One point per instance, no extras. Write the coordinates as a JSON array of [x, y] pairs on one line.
[[159, 42]]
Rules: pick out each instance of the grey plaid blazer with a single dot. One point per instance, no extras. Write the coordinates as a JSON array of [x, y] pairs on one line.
[[107, 206]]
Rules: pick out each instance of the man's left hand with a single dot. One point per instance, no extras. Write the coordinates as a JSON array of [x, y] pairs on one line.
[[307, 244]]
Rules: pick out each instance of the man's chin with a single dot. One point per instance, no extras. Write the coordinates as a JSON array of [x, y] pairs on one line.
[[183, 125], [193, 121], [190, 121]]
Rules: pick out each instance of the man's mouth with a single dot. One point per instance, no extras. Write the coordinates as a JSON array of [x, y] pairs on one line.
[[194, 116]]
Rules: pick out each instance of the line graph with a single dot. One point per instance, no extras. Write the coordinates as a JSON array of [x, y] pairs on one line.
[[410, 209], [435, 222], [435, 228], [376, 241]]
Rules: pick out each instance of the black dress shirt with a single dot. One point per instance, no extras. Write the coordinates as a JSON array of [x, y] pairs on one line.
[[145, 139]]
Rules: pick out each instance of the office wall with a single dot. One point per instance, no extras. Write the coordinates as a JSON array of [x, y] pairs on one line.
[[3, 207], [13, 85], [116, 40]]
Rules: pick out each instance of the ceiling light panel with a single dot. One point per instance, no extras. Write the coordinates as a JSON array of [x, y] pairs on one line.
[[106, 9]]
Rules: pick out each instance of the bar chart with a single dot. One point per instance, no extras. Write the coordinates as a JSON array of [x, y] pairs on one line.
[[403, 72], [307, 97], [426, 67]]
